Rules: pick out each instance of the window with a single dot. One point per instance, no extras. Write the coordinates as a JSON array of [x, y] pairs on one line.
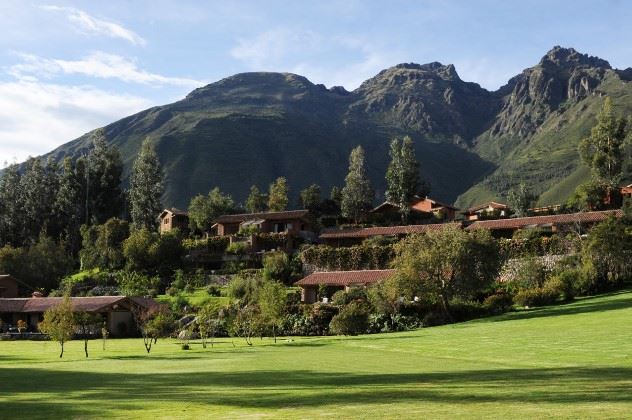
[[166, 220]]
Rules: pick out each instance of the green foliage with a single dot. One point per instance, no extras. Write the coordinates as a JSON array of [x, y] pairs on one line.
[[244, 289], [537, 296], [277, 195], [359, 257], [352, 319], [152, 253], [146, 188], [520, 199], [402, 175], [357, 194], [257, 201], [238, 248], [310, 198], [102, 245], [10, 207], [133, 283], [588, 196], [447, 263], [276, 266], [271, 299], [498, 303], [602, 151], [203, 210], [104, 167], [59, 323], [212, 244]]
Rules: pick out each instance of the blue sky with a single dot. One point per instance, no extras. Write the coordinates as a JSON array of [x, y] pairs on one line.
[[68, 67]]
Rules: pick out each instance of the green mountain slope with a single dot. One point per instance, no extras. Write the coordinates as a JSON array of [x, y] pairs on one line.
[[473, 144]]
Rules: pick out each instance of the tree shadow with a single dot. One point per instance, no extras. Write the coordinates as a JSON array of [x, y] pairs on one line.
[[64, 393], [585, 305]]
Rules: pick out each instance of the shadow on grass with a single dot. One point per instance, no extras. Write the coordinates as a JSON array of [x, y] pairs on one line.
[[585, 305], [71, 394]]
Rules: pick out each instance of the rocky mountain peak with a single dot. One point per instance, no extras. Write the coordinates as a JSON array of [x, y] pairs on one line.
[[571, 58]]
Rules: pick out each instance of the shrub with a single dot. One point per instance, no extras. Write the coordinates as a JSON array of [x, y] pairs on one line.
[[276, 266], [352, 319], [348, 258], [320, 316], [564, 283], [238, 248], [434, 318], [214, 290], [537, 296], [342, 297], [498, 303], [464, 310]]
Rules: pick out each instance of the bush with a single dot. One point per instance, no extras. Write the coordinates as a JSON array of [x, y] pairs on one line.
[[214, 290], [276, 266], [464, 310], [342, 297], [537, 296], [238, 248], [360, 257], [498, 303], [564, 282], [352, 319]]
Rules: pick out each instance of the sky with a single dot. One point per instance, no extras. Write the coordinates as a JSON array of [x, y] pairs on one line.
[[67, 67]]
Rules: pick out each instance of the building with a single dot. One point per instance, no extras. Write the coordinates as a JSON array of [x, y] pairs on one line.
[[355, 236], [552, 223], [419, 208], [115, 310], [626, 192], [173, 219], [491, 210], [292, 222], [8, 286], [338, 280]]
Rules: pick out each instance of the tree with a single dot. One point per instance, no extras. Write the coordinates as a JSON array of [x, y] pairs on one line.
[[146, 188], [69, 206], [603, 150], [85, 322], [257, 201], [208, 320], [102, 245], [203, 210], [153, 322], [310, 198], [272, 298], [36, 200], [104, 170], [402, 176], [520, 199], [357, 194], [11, 214], [277, 195], [276, 266], [59, 323], [447, 263], [336, 195]]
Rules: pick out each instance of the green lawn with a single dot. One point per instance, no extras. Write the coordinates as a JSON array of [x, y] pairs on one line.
[[568, 361]]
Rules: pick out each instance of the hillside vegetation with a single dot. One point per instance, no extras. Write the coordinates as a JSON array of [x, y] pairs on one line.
[[473, 144], [570, 361]]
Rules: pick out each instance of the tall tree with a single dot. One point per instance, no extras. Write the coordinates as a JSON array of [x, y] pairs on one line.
[[257, 201], [11, 214], [310, 198], [146, 188], [36, 206], [105, 197], [357, 194], [69, 205], [603, 150], [520, 199], [277, 196], [203, 210], [402, 176], [272, 297]]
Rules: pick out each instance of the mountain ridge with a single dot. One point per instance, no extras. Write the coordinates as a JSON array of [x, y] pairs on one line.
[[473, 143]]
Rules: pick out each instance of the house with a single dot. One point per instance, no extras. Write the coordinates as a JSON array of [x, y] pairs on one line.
[[292, 222], [115, 310], [173, 219], [355, 236], [338, 280], [552, 223], [626, 192], [8, 286], [420, 207], [491, 210]]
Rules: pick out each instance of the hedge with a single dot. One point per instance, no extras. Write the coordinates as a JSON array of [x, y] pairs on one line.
[[359, 257]]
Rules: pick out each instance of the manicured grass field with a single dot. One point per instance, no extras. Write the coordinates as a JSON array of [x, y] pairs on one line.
[[567, 362]]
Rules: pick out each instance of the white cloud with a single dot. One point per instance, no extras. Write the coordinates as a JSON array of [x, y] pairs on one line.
[[99, 64], [94, 26], [37, 117]]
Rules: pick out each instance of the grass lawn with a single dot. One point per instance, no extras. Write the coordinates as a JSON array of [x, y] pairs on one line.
[[569, 361]]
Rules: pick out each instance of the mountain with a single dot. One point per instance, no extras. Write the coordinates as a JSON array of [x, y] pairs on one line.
[[473, 144]]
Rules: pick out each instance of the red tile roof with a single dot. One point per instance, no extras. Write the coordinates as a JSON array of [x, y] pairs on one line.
[[344, 278], [88, 304], [556, 219], [277, 215], [381, 230]]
